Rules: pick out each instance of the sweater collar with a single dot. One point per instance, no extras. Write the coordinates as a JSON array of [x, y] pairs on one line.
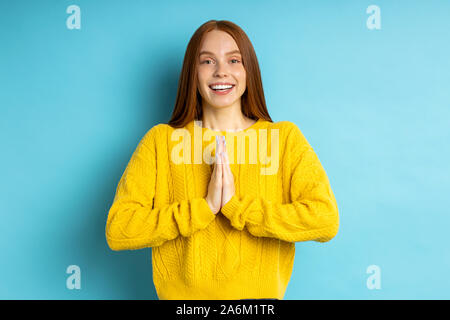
[[196, 124]]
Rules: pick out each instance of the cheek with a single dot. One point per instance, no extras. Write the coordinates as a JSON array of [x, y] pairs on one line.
[[201, 81], [200, 78], [241, 76]]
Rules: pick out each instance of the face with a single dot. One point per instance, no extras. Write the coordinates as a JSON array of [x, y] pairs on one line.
[[222, 63]]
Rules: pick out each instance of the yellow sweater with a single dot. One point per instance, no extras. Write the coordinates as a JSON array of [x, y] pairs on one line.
[[245, 251]]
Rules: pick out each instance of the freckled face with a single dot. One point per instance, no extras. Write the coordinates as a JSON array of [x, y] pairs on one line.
[[222, 62]]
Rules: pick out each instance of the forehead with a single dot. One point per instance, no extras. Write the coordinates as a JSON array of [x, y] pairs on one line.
[[218, 42]]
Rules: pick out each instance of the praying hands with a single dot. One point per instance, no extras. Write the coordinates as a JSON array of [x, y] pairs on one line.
[[221, 185]]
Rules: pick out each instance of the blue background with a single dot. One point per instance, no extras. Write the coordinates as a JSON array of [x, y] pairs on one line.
[[374, 104]]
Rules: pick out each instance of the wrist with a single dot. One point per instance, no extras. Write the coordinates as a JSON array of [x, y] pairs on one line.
[[211, 207]]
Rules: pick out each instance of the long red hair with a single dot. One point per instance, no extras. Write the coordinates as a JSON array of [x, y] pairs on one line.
[[188, 102]]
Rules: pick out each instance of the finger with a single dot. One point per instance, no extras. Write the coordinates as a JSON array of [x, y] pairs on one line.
[[224, 144], [225, 150], [217, 146], [225, 158], [214, 171], [219, 172], [226, 166], [218, 158], [221, 142], [224, 171]]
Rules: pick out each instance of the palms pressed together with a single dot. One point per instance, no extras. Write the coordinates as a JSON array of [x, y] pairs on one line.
[[221, 185]]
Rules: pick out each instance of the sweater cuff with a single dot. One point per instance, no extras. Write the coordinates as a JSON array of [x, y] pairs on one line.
[[205, 215], [232, 211]]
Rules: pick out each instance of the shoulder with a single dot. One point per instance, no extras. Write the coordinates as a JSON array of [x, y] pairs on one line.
[[290, 132], [285, 125], [155, 135], [292, 139]]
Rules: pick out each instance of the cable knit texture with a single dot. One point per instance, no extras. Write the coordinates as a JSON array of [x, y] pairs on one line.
[[247, 250]]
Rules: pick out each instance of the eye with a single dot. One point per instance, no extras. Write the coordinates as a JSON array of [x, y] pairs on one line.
[[204, 61], [235, 60]]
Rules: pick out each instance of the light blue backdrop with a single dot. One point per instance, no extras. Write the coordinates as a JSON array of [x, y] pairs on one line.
[[374, 104]]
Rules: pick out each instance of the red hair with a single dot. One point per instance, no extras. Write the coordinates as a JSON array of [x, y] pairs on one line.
[[188, 101]]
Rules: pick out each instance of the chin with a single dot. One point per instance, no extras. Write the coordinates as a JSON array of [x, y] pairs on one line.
[[221, 105]]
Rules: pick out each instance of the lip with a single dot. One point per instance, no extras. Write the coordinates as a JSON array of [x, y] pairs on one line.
[[223, 92], [223, 83]]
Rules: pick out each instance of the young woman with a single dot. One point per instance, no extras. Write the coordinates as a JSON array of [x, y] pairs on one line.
[[221, 214]]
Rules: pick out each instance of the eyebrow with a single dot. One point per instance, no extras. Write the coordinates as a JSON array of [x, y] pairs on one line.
[[228, 53]]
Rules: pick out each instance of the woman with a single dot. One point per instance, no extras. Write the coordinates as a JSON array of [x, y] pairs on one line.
[[222, 217]]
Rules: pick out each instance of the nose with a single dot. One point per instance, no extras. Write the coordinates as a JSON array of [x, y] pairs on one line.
[[220, 69]]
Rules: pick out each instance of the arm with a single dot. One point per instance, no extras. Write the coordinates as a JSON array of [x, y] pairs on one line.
[[133, 220], [312, 214]]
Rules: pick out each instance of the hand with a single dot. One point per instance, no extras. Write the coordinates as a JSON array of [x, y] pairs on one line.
[[221, 186], [228, 189], [214, 197]]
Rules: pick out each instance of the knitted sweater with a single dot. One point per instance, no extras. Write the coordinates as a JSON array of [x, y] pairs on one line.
[[245, 251]]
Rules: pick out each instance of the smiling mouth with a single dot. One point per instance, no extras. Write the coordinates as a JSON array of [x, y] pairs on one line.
[[223, 90]]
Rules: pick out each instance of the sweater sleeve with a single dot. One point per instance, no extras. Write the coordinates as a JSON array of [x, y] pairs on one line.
[[134, 222], [313, 212]]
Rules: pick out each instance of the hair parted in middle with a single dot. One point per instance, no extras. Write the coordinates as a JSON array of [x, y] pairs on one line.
[[188, 100]]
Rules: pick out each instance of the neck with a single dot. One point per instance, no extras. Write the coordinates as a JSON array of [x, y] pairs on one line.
[[225, 119]]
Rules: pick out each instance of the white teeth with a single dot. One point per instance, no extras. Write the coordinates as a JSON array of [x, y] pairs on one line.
[[221, 87]]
